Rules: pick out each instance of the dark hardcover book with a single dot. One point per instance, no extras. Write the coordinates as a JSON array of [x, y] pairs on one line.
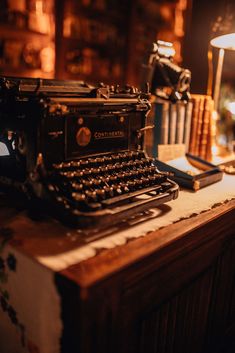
[[187, 126], [172, 123], [199, 125], [194, 123], [180, 122], [159, 117], [205, 127]]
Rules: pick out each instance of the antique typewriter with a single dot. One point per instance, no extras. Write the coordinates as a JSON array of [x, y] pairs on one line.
[[79, 149]]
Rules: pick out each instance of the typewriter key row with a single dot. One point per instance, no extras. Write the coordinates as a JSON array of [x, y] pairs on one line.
[[132, 157], [101, 182]]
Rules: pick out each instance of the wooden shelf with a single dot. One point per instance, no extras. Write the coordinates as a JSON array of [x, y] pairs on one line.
[[6, 71], [10, 32]]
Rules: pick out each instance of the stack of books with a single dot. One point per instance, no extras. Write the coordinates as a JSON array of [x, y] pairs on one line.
[[178, 124], [201, 126]]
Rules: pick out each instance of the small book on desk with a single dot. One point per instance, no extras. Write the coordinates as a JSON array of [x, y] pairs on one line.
[[190, 171]]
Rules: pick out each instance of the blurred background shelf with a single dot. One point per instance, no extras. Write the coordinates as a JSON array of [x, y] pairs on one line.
[[92, 40]]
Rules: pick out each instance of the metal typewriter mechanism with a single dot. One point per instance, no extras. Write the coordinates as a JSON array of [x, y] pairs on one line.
[[79, 149]]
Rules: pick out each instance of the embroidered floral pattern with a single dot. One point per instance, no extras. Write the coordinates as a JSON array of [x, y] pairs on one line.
[[8, 265]]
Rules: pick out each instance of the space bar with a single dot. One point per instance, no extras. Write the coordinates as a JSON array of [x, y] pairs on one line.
[[129, 195]]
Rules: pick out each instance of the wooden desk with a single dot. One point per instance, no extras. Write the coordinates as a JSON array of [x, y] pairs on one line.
[[170, 291]]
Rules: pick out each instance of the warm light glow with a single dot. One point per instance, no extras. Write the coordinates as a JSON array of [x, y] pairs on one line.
[[164, 48], [39, 7], [214, 150], [226, 41], [3, 150], [231, 107]]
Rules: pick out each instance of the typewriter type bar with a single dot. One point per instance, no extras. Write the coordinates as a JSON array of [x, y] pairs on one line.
[[80, 149]]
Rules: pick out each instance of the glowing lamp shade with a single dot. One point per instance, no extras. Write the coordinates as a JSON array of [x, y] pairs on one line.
[[231, 107], [227, 41]]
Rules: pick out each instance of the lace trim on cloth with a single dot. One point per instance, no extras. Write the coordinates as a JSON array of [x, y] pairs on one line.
[[187, 205]]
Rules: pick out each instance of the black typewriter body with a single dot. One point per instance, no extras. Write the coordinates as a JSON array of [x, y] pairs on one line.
[[79, 149]]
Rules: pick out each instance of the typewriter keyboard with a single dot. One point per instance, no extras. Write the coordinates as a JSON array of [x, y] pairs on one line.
[[108, 182]]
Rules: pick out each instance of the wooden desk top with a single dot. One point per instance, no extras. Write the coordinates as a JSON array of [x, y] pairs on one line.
[[48, 237]]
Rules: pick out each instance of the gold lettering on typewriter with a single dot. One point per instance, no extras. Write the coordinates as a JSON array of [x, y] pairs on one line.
[[98, 135], [83, 136]]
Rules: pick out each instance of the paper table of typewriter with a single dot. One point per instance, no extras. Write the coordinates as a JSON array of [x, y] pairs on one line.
[[79, 148]]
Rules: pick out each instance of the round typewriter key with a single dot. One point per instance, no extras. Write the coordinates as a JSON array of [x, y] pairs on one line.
[[124, 165], [84, 162], [120, 176], [113, 178], [108, 191], [159, 178], [79, 174], [135, 154], [125, 156], [135, 173], [97, 182], [59, 199], [51, 187], [117, 189], [87, 183], [91, 162], [97, 170], [146, 170], [146, 181], [109, 167], [58, 166], [118, 166], [139, 182], [152, 179], [131, 185], [75, 164], [91, 195], [115, 157], [77, 186], [124, 187], [78, 197], [107, 159], [87, 172], [100, 194]]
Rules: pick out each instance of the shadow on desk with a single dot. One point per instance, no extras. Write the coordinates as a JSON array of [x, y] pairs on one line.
[[27, 230]]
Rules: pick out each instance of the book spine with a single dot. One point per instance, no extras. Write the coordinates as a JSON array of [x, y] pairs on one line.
[[210, 136], [165, 123], [180, 107], [205, 127], [199, 125], [160, 111], [172, 123], [187, 128], [194, 121]]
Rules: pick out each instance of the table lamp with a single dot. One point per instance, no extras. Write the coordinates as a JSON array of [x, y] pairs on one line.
[[224, 42]]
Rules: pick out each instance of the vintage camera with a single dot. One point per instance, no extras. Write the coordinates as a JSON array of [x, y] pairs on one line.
[[166, 79]]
